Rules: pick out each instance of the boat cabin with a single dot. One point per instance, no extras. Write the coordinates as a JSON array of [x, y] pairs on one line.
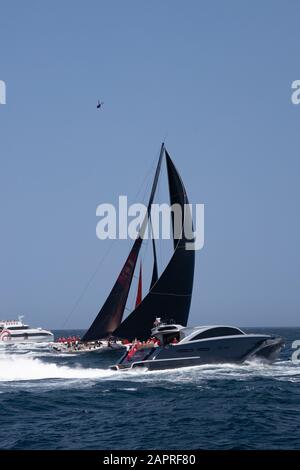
[[168, 333]]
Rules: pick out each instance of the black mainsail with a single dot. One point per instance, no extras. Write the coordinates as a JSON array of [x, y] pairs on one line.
[[111, 313], [170, 296]]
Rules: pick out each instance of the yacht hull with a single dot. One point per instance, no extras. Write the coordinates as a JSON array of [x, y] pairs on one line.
[[61, 348]]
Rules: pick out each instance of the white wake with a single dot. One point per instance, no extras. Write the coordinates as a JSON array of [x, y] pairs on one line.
[[15, 368], [25, 364]]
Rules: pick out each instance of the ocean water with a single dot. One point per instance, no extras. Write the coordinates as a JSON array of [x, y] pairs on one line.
[[51, 401]]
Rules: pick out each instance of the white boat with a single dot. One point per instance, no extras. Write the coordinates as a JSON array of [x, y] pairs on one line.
[[16, 331]]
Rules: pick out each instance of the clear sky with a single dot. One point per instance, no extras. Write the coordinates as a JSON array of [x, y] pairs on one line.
[[213, 79]]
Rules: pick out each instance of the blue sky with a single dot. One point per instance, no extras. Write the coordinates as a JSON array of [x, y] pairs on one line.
[[213, 79]]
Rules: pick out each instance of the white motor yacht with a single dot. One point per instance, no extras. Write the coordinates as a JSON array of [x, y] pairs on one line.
[[16, 331]]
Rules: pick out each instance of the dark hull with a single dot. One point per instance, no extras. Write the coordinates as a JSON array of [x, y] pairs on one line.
[[222, 351]]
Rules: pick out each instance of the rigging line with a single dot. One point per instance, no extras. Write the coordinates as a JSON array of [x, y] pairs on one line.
[[88, 284], [146, 177], [144, 251], [77, 302], [131, 297], [145, 246]]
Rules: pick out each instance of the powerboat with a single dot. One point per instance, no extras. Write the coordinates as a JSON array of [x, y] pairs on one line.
[[175, 346], [15, 331]]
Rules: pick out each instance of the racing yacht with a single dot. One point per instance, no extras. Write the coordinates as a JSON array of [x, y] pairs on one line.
[[15, 331], [174, 346], [169, 292]]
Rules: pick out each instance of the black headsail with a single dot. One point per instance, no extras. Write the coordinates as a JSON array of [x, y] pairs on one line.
[[111, 313], [170, 297]]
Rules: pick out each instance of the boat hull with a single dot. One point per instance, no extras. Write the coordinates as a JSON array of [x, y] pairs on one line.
[[62, 348], [210, 351], [34, 339]]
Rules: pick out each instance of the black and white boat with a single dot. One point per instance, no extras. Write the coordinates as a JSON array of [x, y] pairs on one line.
[[176, 345], [169, 296], [16, 331], [179, 346]]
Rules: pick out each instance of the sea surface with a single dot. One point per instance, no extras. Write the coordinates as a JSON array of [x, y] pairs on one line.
[[52, 401]]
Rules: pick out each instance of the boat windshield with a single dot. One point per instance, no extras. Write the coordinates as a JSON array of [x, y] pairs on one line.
[[21, 327], [140, 355]]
